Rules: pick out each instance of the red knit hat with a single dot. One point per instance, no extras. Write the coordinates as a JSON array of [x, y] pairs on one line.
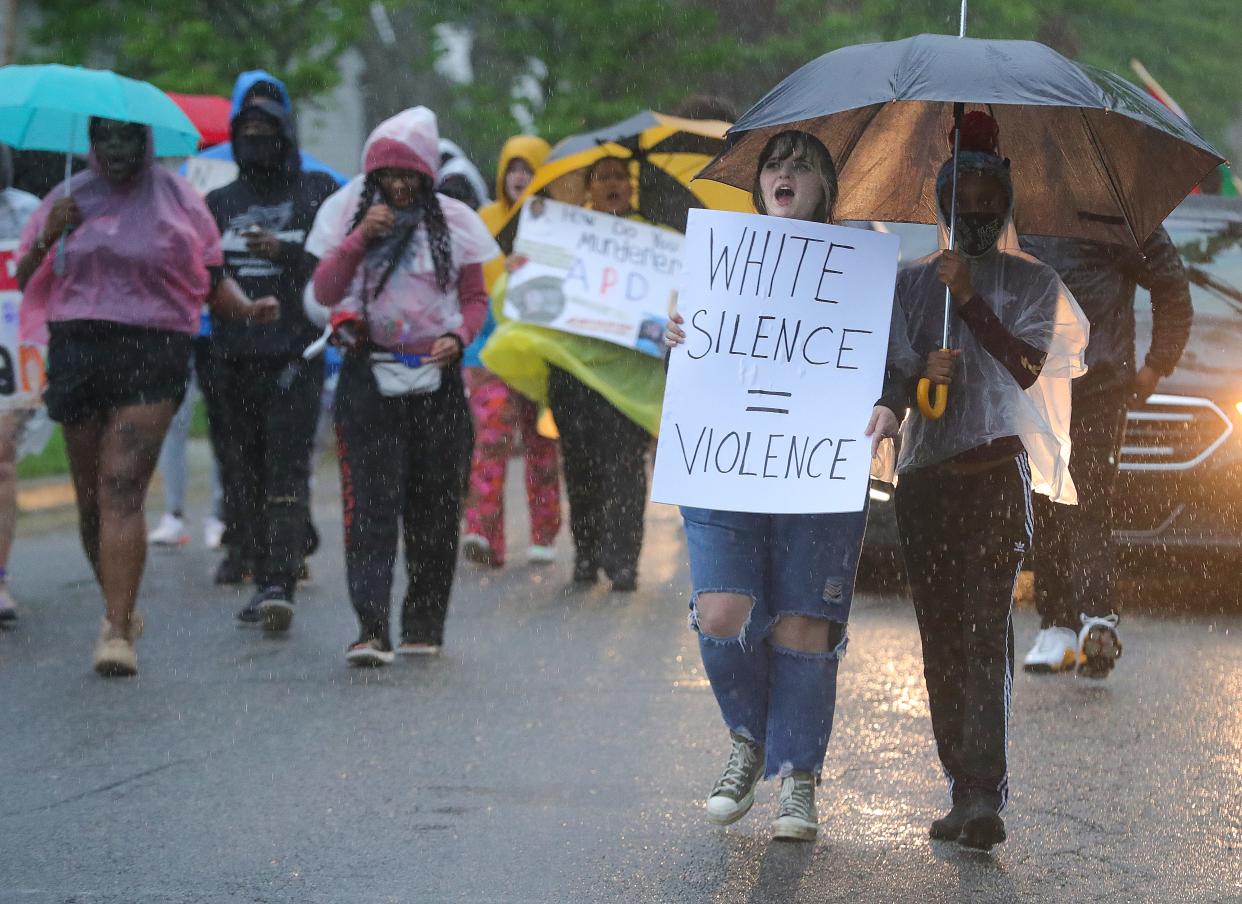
[[980, 132], [388, 153]]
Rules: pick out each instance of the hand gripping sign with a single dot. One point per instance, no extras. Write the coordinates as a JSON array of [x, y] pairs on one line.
[[786, 338], [21, 363], [585, 272]]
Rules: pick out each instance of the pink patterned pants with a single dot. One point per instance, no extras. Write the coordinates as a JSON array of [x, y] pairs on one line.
[[500, 415]]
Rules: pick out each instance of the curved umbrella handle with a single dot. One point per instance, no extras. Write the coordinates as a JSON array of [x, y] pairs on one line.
[[932, 408]]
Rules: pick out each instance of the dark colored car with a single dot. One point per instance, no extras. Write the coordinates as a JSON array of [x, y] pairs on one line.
[[1179, 492]]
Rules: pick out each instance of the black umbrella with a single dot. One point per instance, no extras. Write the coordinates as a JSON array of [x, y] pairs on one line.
[[1093, 156]]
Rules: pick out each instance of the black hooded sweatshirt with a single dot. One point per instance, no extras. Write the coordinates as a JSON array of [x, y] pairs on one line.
[[284, 202]]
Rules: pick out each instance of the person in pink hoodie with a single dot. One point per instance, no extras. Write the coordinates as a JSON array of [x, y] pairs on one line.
[[401, 268], [115, 267]]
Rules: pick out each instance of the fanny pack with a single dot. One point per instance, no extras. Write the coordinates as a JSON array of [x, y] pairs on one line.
[[395, 377]]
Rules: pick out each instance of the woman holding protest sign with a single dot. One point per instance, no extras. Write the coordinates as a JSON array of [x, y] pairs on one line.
[[501, 414], [402, 267], [772, 592], [119, 266], [606, 400], [604, 451]]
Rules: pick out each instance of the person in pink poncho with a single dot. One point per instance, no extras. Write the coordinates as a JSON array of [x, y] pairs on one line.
[[401, 267], [115, 269]]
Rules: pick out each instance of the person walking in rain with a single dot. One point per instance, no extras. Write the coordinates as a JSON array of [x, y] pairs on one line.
[[963, 499], [122, 295], [503, 416], [267, 394], [16, 207], [1074, 563], [772, 593], [402, 267], [212, 168]]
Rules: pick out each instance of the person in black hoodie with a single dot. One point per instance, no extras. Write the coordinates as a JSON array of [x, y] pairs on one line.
[[269, 395], [1074, 564]]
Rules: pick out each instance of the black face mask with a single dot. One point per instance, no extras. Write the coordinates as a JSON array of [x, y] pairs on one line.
[[978, 233], [262, 155]]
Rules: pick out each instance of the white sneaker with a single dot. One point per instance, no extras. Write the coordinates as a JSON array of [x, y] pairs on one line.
[[540, 555], [213, 532], [797, 818], [1054, 650], [170, 532], [1099, 646]]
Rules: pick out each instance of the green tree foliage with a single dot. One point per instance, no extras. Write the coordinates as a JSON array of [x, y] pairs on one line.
[[596, 61], [199, 46]]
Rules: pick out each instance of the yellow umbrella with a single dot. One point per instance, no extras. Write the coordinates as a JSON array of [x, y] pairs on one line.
[[667, 153]]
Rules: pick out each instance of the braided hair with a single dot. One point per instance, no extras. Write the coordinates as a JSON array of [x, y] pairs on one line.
[[438, 235]]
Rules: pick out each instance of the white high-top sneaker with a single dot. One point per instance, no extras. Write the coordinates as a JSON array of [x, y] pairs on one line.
[[1054, 650]]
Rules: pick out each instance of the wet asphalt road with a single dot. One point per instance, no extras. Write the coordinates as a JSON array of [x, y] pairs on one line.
[[559, 751]]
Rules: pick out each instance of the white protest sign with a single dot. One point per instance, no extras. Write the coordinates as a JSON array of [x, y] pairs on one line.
[[786, 338], [21, 363], [588, 273], [207, 174]]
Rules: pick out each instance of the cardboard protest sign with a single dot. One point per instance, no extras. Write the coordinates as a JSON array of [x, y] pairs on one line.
[[21, 363], [786, 339], [592, 274]]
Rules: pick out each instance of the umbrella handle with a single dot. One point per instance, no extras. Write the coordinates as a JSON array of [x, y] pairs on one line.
[[932, 404]]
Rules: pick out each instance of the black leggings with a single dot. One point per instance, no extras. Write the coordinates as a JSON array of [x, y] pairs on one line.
[[404, 460], [605, 461], [964, 537]]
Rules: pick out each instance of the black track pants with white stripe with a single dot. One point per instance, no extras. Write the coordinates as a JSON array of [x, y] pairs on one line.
[[964, 537]]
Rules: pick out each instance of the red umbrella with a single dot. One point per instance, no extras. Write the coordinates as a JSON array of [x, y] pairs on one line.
[[209, 113]]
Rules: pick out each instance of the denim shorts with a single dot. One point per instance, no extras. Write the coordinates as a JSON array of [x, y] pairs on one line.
[[787, 564]]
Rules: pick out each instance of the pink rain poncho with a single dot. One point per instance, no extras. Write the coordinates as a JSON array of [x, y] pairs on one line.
[[140, 256], [985, 402], [411, 310]]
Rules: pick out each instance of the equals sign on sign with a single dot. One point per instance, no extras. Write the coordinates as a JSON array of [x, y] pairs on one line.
[[768, 393]]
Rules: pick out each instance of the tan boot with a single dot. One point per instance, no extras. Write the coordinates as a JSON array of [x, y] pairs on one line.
[[115, 656]]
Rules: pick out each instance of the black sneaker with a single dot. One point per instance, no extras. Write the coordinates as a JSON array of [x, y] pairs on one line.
[[369, 653], [585, 571], [625, 581], [249, 615], [982, 828], [234, 569], [275, 606], [949, 826]]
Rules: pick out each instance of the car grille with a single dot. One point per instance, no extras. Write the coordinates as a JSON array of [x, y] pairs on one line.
[[1173, 433]]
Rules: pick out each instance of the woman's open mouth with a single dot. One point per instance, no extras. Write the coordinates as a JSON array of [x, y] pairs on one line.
[[784, 195]]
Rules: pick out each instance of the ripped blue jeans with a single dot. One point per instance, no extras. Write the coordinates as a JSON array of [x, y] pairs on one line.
[[804, 565]]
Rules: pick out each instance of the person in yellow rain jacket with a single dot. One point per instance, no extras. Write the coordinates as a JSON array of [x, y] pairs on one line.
[[519, 158], [501, 415], [606, 400]]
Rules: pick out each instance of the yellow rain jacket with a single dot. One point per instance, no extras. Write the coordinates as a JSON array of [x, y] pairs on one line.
[[521, 353], [534, 150]]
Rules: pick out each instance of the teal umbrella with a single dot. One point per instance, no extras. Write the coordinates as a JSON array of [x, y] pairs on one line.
[[48, 108]]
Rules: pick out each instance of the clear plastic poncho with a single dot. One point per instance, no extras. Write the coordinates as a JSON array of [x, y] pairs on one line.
[[985, 402]]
